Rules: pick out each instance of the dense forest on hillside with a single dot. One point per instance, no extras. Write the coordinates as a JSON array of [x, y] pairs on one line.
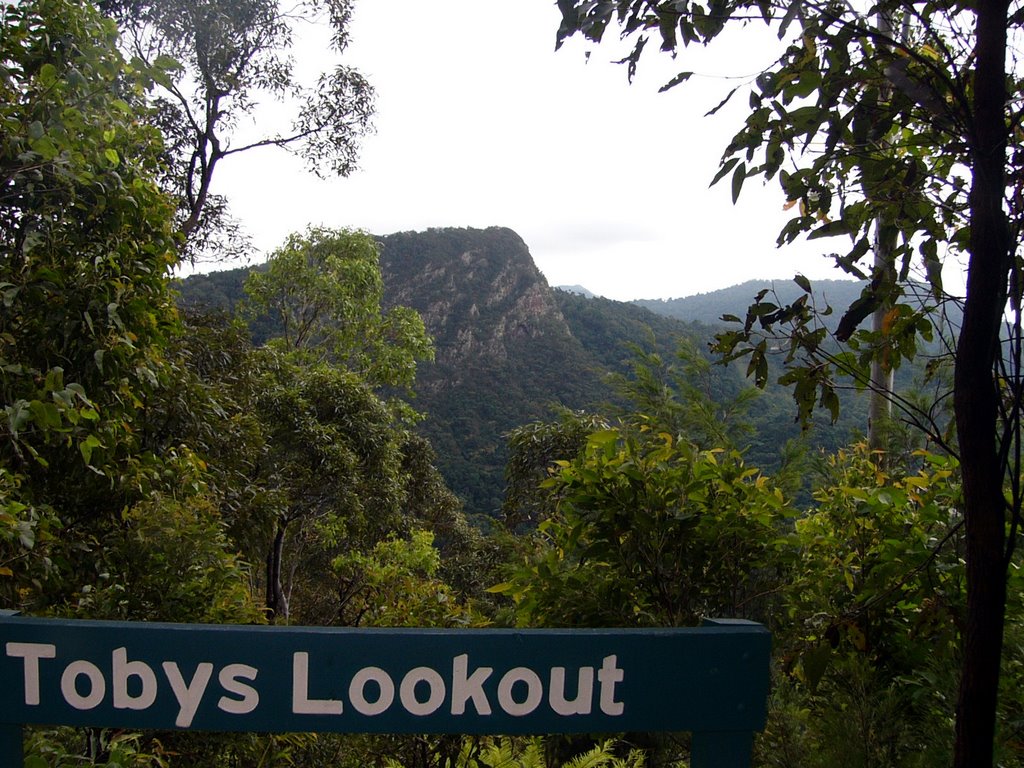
[[483, 383], [415, 430]]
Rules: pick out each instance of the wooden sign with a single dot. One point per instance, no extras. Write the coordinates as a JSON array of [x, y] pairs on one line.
[[712, 679]]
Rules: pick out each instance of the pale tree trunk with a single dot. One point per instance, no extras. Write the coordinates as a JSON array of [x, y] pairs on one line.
[[880, 387], [276, 600], [976, 398]]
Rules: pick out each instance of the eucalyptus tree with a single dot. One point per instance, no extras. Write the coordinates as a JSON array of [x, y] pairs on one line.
[[335, 470], [323, 292], [231, 56], [86, 244], [909, 132]]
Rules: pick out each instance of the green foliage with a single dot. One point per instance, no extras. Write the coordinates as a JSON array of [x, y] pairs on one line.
[[609, 329], [340, 478], [168, 560], [650, 531], [533, 450], [467, 556], [873, 612], [397, 584], [880, 555], [86, 240], [529, 753], [324, 289], [28, 533], [85, 246], [336, 463], [332, 443], [228, 58], [62, 748], [216, 750], [640, 523], [307, 459], [689, 398], [329, 477]]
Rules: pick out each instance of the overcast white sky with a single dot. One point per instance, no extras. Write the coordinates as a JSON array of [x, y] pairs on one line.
[[480, 122]]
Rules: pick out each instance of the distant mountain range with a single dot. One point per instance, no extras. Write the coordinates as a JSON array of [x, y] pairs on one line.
[[509, 347], [579, 290], [708, 308]]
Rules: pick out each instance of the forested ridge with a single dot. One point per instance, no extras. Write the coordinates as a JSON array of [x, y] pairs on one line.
[[509, 350], [415, 430]]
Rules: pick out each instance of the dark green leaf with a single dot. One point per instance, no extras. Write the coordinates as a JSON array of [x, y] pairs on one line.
[[682, 77], [738, 177], [814, 662], [829, 229], [727, 166]]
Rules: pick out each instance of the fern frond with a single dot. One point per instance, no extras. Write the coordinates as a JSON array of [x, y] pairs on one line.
[[600, 755]]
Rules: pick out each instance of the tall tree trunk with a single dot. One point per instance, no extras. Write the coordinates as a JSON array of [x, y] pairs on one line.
[[976, 398], [277, 602], [880, 386]]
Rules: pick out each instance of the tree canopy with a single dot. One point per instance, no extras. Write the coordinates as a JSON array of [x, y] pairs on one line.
[[324, 290], [161, 464], [889, 125], [226, 58], [85, 248]]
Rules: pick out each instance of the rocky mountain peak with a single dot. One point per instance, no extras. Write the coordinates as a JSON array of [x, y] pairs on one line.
[[478, 290]]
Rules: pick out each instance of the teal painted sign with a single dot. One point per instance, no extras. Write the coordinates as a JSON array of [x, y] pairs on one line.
[[291, 679]]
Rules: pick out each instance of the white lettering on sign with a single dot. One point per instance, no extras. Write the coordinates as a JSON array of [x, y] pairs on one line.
[[31, 653], [582, 704], [385, 691], [134, 684], [123, 671], [435, 685], [190, 694], [248, 698], [534, 691], [69, 685], [469, 687], [422, 691], [301, 703], [609, 676]]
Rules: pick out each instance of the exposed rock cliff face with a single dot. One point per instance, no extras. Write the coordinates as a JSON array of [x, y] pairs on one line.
[[504, 351], [507, 345], [478, 291]]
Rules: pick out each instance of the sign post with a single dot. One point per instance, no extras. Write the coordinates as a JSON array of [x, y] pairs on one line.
[[711, 680], [11, 745]]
